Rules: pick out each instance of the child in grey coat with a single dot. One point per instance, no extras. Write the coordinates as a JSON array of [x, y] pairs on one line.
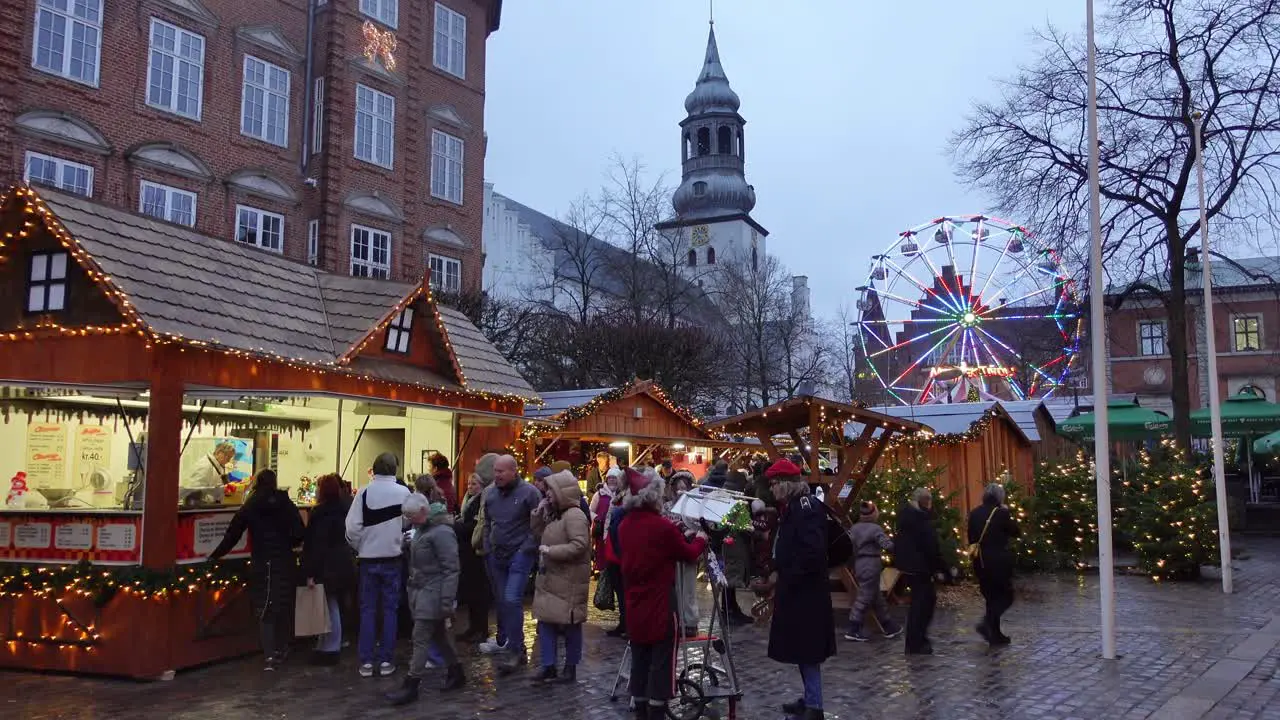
[[869, 541]]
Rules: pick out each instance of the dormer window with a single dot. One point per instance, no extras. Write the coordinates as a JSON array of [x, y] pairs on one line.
[[399, 331], [47, 282]]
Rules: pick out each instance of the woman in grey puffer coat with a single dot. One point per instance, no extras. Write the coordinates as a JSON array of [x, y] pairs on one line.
[[869, 540], [433, 591]]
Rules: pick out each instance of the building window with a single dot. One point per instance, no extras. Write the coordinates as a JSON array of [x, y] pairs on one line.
[[446, 274], [1247, 332], [693, 258], [375, 126], [313, 242], [384, 11], [704, 141], [47, 282], [1151, 335], [175, 76], [264, 105], [724, 140], [317, 117], [68, 39], [711, 256], [446, 167], [399, 331], [755, 260], [56, 172], [370, 252], [167, 203], [700, 188], [451, 41], [260, 228]]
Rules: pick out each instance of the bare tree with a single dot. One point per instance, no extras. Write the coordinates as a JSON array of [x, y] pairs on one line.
[[1159, 61], [581, 265], [840, 335]]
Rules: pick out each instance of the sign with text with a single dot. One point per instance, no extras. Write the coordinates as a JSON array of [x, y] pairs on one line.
[[46, 455], [71, 537], [93, 450], [200, 532]]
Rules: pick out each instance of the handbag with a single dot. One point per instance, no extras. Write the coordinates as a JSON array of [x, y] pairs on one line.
[[839, 544], [310, 612], [603, 599], [975, 549]]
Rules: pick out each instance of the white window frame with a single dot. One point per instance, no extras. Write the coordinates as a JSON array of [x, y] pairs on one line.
[[167, 208], [84, 23], [376, 125], [400, 332], [61, 166], [262, 216], [178, 61], [368, 264], [449, 44], [50, 279], [440, 280], [263, 114], [1235, 334], [448, 163], [317, 116], [313, 242], [384, 11], [1142, 340]]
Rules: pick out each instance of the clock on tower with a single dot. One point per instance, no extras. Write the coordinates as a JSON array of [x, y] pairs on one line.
[[701, 235]]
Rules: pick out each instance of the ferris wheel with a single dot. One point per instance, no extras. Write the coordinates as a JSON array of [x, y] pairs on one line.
[[967, 308]]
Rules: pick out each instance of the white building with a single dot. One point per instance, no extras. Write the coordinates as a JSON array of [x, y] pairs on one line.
[[519, 263]]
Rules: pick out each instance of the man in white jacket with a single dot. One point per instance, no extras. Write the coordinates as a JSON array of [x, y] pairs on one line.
[[375, 529]]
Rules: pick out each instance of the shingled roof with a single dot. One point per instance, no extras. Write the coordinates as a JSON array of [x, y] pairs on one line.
[[206, 290]]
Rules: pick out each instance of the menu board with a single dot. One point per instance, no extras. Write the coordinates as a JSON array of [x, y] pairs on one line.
[[52, 537], [92, 450], [200, 532], [46, 455]]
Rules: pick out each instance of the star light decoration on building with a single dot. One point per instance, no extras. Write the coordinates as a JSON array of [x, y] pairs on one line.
[[379, 45], [36, 214]]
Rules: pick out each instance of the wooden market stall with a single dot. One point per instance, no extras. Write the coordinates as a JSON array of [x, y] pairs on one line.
[[813, 422], [144, 348], [636, 422], [973, 442]]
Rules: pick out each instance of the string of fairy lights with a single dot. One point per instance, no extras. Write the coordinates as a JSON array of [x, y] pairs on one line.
[[655, 391]]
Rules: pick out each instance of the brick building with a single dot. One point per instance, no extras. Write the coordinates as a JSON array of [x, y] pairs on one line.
[[344, 133]]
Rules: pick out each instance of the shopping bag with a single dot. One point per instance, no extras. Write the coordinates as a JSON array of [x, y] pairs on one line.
[[888, 578], [310, 612], [603, 599]]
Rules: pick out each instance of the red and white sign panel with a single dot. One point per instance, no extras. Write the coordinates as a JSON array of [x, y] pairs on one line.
[[69, 537]]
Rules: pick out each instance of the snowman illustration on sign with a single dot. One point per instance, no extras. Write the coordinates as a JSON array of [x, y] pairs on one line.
[[17, 498]]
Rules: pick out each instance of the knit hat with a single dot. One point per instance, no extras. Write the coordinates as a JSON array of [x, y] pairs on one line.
[[783, 469], [867, 511], [613, 473], [542, 473], [436, 509], [560, 466], [484, 468], [636, 481]]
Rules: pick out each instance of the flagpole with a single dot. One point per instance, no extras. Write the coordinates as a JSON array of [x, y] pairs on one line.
[[1211, 350], [1098, 345]]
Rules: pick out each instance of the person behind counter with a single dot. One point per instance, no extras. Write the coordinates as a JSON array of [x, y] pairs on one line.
[[203, 485], [275, 528]]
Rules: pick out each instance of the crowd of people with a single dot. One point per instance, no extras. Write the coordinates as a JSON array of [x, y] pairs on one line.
[[393, 548]]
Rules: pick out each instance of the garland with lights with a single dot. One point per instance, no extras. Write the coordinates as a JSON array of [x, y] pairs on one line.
[[649, 388], [923, 439], [104, 583]]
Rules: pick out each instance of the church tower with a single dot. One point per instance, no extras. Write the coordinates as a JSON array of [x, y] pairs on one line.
[[713, 203]]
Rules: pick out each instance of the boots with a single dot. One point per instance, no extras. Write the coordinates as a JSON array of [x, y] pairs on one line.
[[812, 714], [407, 693], [454, 679], [794, 708], [570, 674]]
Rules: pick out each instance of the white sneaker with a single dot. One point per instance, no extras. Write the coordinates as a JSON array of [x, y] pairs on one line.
[[366, 670], [430, 665], [386, 669], [491, 647]]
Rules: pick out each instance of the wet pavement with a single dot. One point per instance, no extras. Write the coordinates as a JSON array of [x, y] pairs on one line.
[[1186, 651]]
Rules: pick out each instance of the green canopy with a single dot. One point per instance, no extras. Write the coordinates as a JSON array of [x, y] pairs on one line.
[[1125, 421], [1267, 444], [1243, 415]]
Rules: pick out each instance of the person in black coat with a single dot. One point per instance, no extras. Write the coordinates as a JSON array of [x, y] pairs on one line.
[[473, 584], [275, 529], [327, 560], [916, 554], [991, 526], [803, 630]]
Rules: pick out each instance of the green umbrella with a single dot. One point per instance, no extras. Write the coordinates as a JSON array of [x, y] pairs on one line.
[[1244, 414], [1267, 444], [1125, 421]]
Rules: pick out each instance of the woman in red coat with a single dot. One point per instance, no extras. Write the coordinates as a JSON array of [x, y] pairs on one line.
[[649, 578]]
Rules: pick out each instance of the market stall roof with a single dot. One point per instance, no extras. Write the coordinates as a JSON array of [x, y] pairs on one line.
[[1243, 414], [794, 413], [1062, 407], [641, 410], [192, 288], [556, 402], [955, 418], [1023, 412]]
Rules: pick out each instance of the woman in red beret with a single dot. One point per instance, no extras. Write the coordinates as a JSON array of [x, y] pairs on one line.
[[649, 578]]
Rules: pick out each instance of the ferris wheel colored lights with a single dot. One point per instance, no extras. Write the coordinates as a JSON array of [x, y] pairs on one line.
[[985, 310]]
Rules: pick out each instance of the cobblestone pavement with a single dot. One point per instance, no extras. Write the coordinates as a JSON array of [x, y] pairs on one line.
[[1187, 651]]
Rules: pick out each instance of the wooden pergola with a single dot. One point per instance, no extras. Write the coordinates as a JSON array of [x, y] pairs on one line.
[[811, 422]]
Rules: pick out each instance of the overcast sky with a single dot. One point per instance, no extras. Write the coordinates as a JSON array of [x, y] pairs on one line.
[[848, 104]]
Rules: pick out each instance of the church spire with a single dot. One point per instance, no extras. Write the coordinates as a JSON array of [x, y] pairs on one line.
[[711, 92]]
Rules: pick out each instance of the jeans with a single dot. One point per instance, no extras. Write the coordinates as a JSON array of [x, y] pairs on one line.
[[431, 636], [379, 591], [331, 642], [549, 637], [510, 577], [811, 675], [923, 599]]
